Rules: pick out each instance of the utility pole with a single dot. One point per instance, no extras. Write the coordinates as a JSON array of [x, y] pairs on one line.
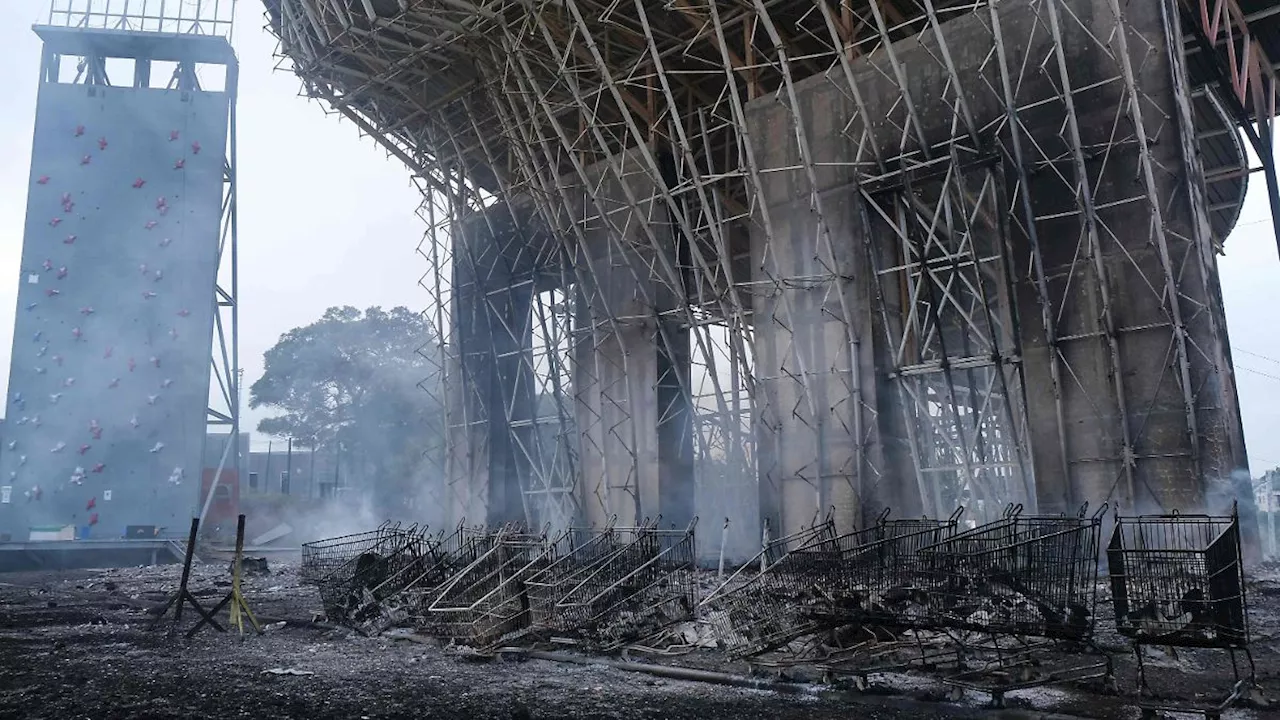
[[288, 466], [337, 463], [266, 473]]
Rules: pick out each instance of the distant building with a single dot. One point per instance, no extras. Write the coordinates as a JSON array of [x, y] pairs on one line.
[[1267, 491], [302, 472]]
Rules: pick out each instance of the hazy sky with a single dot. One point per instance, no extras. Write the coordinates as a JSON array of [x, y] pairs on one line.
[[326, 219]]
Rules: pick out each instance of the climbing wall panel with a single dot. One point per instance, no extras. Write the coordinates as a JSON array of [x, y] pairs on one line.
[[109, 382]]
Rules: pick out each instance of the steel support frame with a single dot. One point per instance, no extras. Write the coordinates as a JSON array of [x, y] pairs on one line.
[[573, 107]]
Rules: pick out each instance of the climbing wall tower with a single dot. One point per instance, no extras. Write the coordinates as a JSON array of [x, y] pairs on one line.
[[130, 216]]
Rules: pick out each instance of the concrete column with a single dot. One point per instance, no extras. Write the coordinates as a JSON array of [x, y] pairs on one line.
[[493, 292], [814, 350], [1179, 451], [630, 360]]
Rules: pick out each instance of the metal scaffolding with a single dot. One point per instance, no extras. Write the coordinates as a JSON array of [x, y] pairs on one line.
[[770, 257]]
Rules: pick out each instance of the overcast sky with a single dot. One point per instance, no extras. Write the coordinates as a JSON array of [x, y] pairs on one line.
[[326, 219]]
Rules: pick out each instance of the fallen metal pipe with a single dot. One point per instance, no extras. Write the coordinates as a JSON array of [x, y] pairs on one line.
[[673, 673]]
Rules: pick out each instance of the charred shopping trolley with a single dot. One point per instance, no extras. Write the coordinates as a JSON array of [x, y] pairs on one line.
[[487, 601], [576, 554], [812, 591], [634, 591], [1178, 581], [1010, 590], [320, 558], [872, 590], [357, 574], [751, 612]]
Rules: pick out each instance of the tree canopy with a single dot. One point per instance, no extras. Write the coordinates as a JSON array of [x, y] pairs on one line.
[[352, 378]]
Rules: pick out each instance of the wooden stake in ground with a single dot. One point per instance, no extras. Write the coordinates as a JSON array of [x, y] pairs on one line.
[[183, 595], [235, 597]]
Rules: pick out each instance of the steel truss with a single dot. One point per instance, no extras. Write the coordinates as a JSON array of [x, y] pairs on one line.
[[869, 242]]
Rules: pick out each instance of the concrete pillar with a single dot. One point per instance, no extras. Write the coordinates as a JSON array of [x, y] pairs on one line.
[[631, 356], [1178, 440], [493, 292], [813, 341]]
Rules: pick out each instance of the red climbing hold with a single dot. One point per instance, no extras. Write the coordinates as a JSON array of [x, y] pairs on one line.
[[93, 519], [195, 147], [97, 433], [62, 272], [173, 135], [86, 310], [139, 183], [47, 265], [51, 292], [69, 240], [66, 198], [42, 180], [54, 222], [161, 203], [76, 333], [79, 130], [102, 143], [84, 449], [99, 467], [91, 504], [179, 163], [150, 224]]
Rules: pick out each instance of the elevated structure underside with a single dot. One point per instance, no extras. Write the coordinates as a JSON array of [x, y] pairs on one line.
[[763, 259]]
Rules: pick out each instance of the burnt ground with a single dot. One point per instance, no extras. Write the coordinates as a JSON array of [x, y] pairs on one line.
[[78, 644]]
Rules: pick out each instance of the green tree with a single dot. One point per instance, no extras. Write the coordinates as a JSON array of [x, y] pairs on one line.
[[351, 378]]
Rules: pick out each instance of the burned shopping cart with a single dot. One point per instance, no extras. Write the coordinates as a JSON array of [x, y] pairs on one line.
[[875, 593], [357, 573], [487, 601], [814, 590], [577, 554], [634, 591], [1178, 581], [1009, 592], [752, 612]]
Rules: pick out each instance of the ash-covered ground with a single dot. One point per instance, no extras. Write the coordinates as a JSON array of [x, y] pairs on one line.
[[78, 644]]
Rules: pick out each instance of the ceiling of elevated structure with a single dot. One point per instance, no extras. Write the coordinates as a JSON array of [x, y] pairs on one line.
[[412, 69]]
